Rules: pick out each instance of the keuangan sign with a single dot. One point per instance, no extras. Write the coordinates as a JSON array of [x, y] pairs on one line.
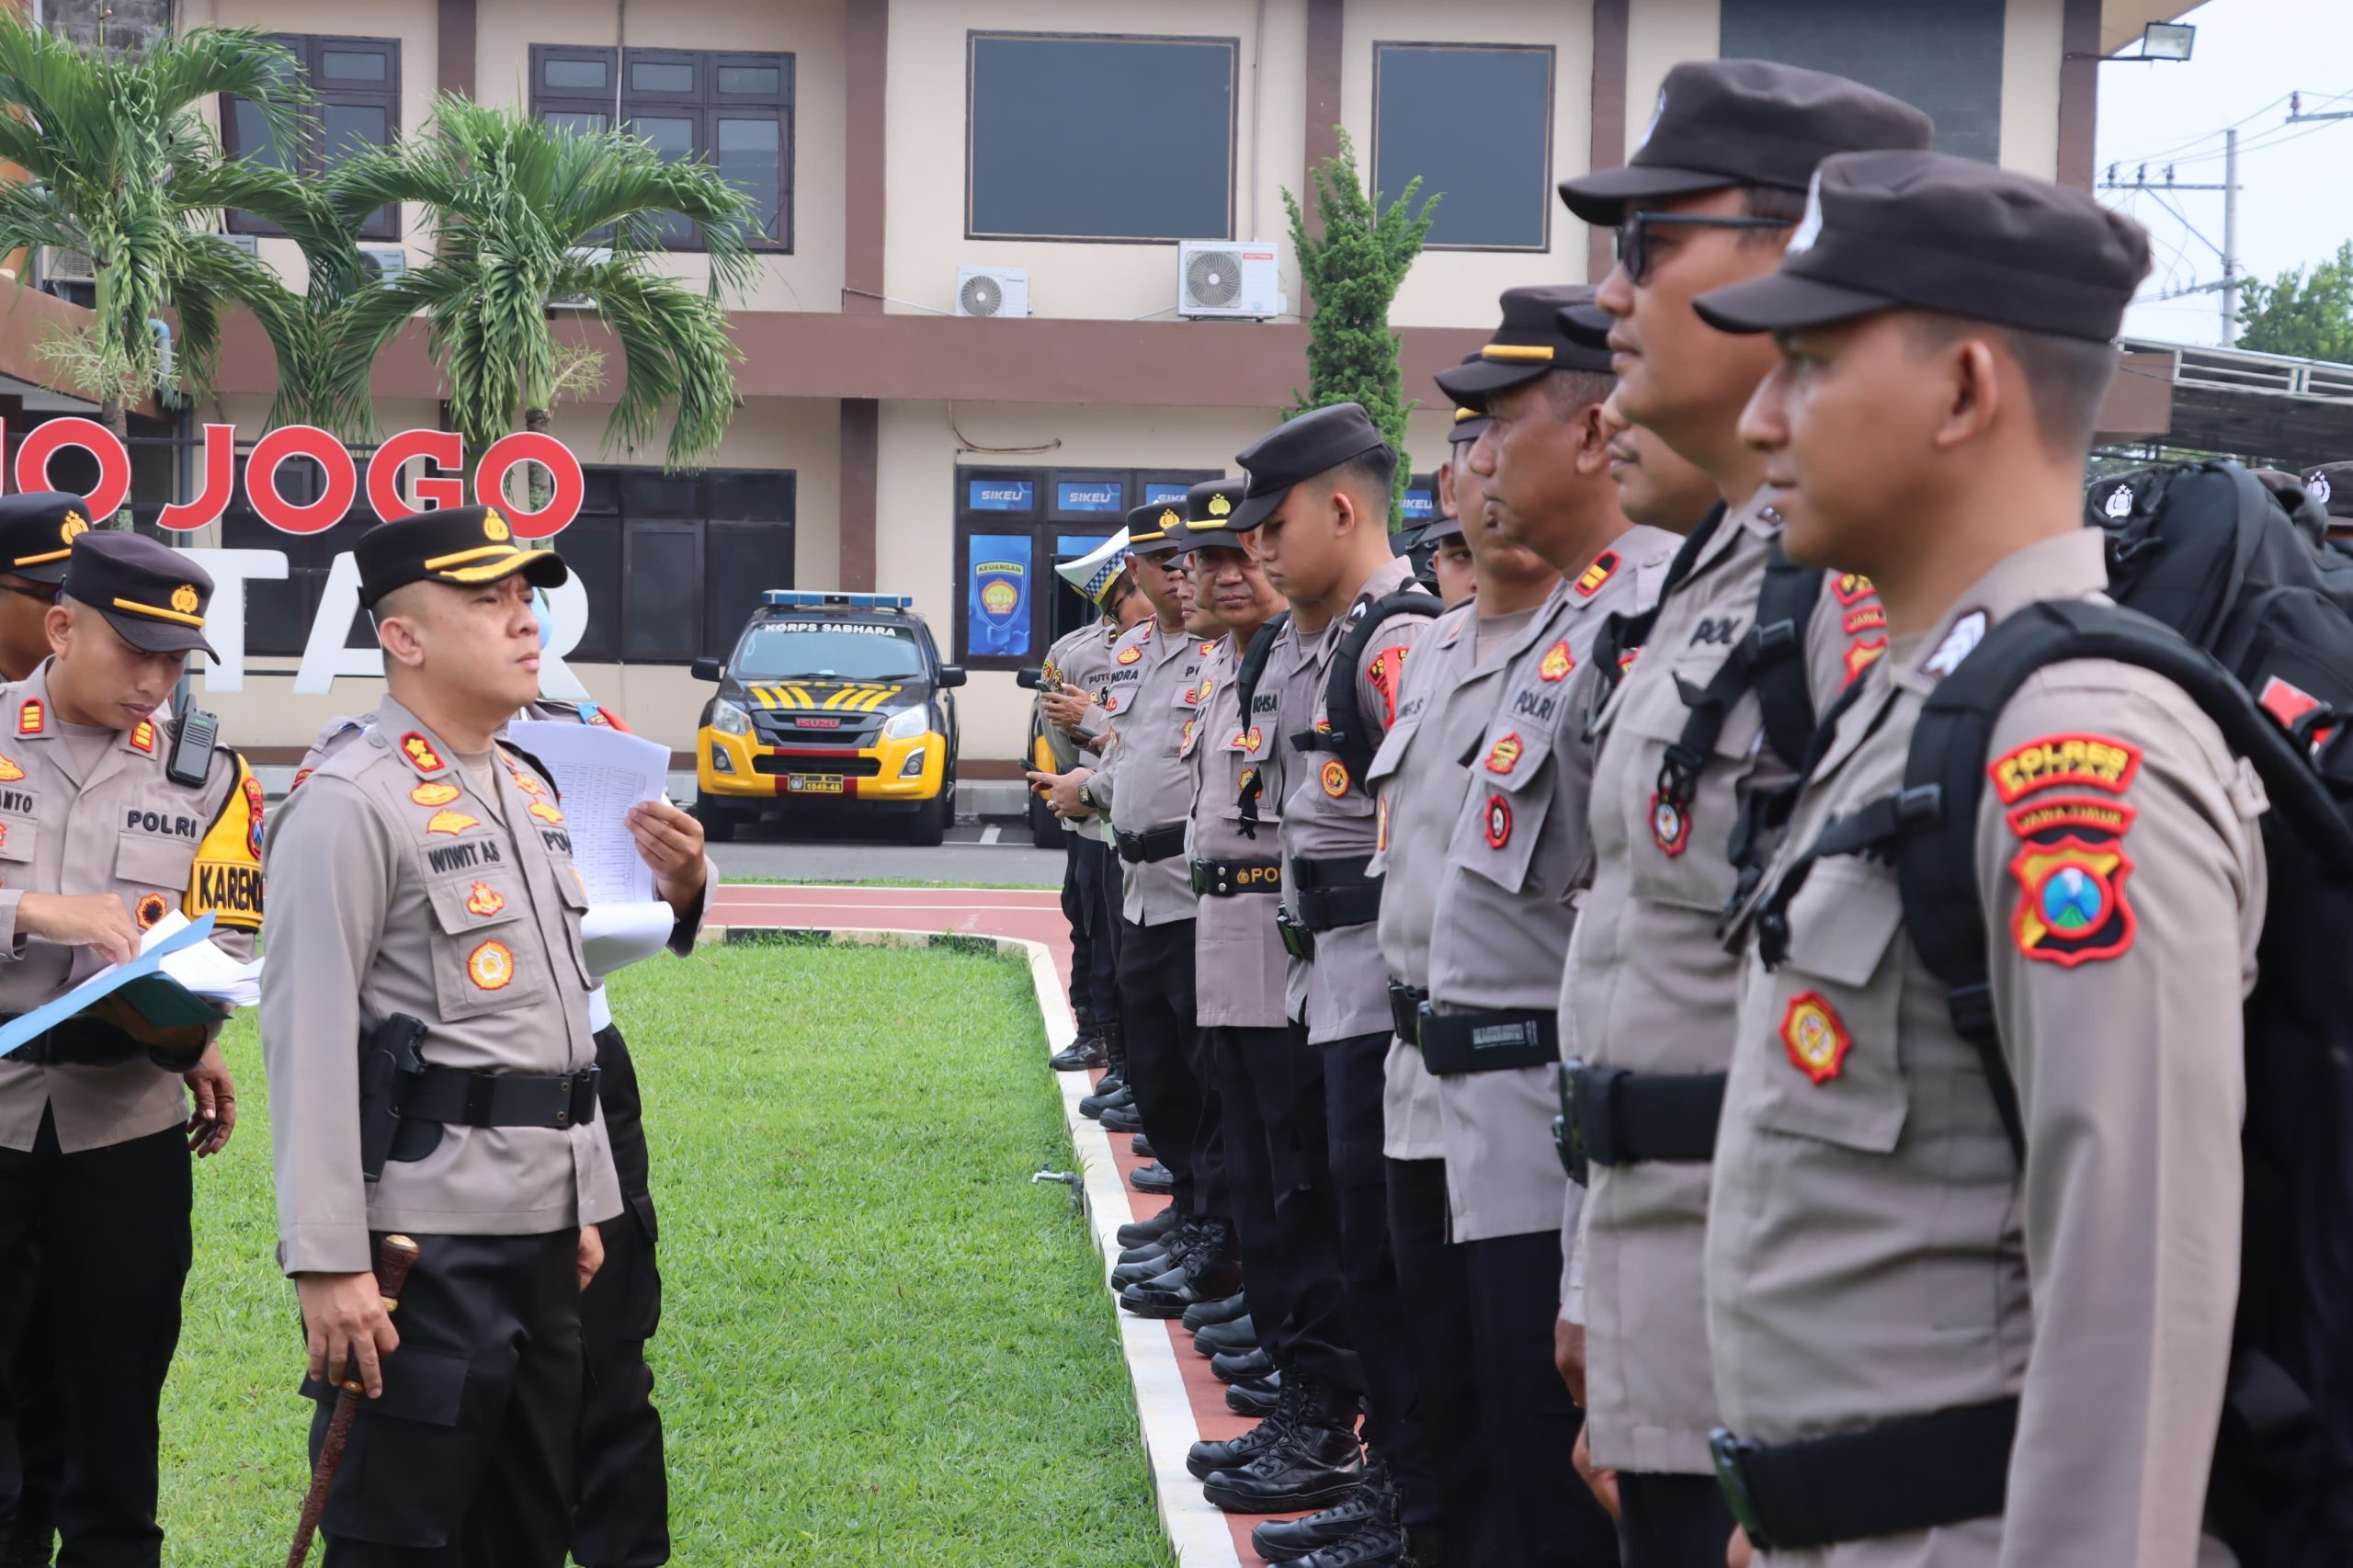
[[324, 655]]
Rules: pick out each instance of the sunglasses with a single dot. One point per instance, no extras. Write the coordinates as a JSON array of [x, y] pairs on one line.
[[1634, 235]]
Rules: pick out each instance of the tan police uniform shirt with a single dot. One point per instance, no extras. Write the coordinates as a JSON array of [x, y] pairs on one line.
[[1504, 920], [412, 893], [1648, 985], [1090, 668], [119, 827], [1236, 950], [1420, 778], [1329, 813], [1062, 751], [1152, 783], [1873, 1250]]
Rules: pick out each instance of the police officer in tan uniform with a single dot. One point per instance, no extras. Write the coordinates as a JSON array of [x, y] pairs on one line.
[[1714, 711], [108, 821], [1061, 754], [1451, 563], [2033, 1356], [426, 1025]]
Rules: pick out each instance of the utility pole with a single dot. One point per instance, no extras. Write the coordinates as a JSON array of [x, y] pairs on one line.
[[2230, 237]]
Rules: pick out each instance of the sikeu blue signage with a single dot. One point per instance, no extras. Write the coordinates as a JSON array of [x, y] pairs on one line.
[[1420, 505], [1089, 495], [1003, 495]]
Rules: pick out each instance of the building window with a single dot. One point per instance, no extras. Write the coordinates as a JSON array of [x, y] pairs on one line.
[[357, 87], [1084, 137], [1013, 526], [676, 564], [1473, 122], [733, 111], [1944, 59]]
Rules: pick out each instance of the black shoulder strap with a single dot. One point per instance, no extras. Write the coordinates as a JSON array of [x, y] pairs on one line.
[[1623, 632], [1348, 735], [1245, 691], [1784, 685]]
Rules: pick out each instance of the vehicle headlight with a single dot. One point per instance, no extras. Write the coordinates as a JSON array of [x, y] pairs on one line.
[[907, 724], [730, 720]]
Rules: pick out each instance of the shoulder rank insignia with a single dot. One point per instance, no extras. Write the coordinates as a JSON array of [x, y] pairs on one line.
[[300, 774], [547, 812], [419, 750], [1334, 778], [1209, 650], [9, 771], [484, 899], [1816, 1038], [143, 736], [1861, 656], [29, 718], [1558, 661], [491, 966], [524, 782], [452, 823], [1849, 587], [1498, 822], [1589, 582], [432, 794]]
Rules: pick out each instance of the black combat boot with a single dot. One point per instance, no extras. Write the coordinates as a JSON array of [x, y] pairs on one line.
[[1229, 1338], [1160, 1226], [1084, 1052], [1257, 1399], [1207, 1313], [1141, 1147], [1149, 1267], [1316, 1462], [1210, 1271], [1122, 1116], [1106, 1097], [1286, 1540], [1207, 1458]]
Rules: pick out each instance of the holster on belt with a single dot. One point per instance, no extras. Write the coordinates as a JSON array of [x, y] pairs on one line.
[[1151, 844], [1406, 1011], [1896, 1477], [1612, 1117], [388, 1055], [1298, 938]]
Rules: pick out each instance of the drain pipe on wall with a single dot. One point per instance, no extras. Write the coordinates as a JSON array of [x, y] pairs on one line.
[[1258, 72]]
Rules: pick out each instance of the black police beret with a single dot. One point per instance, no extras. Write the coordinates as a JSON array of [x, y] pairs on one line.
[[1156, 528], [1316, 442], [1928, 230], [1726, 122], [152, 594], [1530, 342], [38, 529], [463, 545]]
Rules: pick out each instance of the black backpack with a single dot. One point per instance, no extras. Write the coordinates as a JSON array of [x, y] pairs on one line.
[[1245, 688], [2233, 604], [1346, 735]]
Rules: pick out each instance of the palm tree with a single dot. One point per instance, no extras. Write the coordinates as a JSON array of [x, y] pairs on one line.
[[526, 213], [120, 167]]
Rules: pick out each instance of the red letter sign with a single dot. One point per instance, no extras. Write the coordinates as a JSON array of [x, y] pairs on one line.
[[300, 440], [526, 445], [442, 449], [114, 464], [220, 471]]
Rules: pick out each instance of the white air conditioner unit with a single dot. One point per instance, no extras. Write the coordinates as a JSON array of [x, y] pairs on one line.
[[385, 262], [587, 255], [249, 243], [1229, 278], [991, 291], [59, 264]]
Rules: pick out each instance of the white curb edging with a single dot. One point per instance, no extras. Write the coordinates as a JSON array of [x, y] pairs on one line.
[[1197, 1530]]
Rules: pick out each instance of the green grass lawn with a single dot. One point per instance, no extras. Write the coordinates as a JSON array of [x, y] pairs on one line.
[[880, 1343]]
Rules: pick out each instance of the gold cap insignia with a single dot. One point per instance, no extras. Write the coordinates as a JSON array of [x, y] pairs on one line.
[[1169, 519], [494, 526], [72, 528], [184, 598], [1220, 506]]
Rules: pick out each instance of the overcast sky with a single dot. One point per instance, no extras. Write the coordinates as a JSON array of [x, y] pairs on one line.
[[2293, 207]]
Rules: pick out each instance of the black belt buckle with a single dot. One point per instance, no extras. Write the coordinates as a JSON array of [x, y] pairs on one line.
[[1298, 940], [1129, 845], [1731, 1455]]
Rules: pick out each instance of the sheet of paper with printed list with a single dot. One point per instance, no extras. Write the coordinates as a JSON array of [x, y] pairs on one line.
[[602, 773]]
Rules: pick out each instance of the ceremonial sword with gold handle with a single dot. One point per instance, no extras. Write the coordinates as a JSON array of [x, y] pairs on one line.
[[394, 1260]]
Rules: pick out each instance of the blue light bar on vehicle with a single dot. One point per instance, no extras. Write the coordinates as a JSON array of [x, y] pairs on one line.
[[788, 599]]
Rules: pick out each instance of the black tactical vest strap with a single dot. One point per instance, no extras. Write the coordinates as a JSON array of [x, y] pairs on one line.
[[1245, 688], [1347, 734]]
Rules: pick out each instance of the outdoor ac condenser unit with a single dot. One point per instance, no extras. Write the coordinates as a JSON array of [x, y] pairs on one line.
[[1229, 278], [991, 291], [59, 264]]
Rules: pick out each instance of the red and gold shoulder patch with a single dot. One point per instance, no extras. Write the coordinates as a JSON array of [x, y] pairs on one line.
[[547, 812], [1817, 1038], [9, 771], [491, 966], [1851, 587], [434, 794], [1590, 580], [1557, 661], [2098, 761], [452, 823], [1861, 656], [1388, 667], [1504, 755], [2071, 906], [300, 774], [1864, 618], [29, 718], [1250, 740], [1130, 656], [1498, 822], [143, 736], [252, 788], [1334, 779], [524, 782], [420, 752], [152, 907], [1209, 650], [484, 899]]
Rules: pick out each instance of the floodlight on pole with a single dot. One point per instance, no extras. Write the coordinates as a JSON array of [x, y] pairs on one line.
[[2167, 41]]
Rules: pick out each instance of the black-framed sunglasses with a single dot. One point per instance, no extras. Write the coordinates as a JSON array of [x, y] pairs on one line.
[[1634, 241], [33, 591]]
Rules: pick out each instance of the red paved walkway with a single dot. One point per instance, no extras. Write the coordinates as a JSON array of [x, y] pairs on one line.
[[1032, 914]]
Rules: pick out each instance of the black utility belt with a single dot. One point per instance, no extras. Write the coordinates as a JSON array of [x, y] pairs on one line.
[[1225, 878], [469, 1098], [1611, 1117], [1336, 893], [1153, 843], [1893, 1478], [1481, 1040], [1406, 1011], [92, 1042]]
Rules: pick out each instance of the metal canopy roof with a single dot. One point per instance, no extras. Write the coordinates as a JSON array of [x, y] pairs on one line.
[[2267, 409]]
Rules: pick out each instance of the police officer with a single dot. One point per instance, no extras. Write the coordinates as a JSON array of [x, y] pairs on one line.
[[38, 529], [1451, 563], [108, 821], [1713, 712], [1502, 772], [437, 889], [1657, 486], [1055, 751], [1882, 1273]]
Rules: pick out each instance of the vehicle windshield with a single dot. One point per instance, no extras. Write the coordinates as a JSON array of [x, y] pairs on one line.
[[827, 650]]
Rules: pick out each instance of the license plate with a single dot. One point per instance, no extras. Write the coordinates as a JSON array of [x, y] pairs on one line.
[[813, 784]]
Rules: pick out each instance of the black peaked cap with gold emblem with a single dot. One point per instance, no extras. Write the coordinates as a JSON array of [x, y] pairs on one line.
[[1299, 449], [148, 592], [1156, 528], [38, 529], [460, 545], [1209, 514], [1531, 341]]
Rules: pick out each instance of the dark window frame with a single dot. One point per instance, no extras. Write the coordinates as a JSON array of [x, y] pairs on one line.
[[1552, 131], [308, 49], [704, 105], [972, 38]]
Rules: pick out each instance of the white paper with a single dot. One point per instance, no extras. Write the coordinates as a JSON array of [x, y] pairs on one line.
[[616, 935], [204, 969], [602, 774]]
